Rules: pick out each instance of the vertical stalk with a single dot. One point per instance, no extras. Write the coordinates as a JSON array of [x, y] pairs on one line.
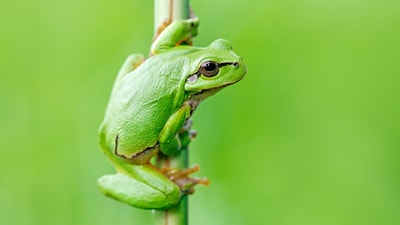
[[177, 215], [166, 11]]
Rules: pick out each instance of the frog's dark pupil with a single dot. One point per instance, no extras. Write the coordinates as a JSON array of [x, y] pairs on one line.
[[210, 66]]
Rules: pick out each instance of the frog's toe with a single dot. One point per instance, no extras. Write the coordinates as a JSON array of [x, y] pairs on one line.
[[182, 179]]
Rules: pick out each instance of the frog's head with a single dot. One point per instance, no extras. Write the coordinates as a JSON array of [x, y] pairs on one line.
[[217, 66]]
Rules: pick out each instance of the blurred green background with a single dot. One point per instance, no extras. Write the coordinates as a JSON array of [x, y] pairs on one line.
[[310, 136]]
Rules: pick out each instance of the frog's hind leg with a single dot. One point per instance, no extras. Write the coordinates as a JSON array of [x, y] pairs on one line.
[[147, 191], [131, 63]]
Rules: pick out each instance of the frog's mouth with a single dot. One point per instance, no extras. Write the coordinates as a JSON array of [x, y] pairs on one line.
[[208, 92]]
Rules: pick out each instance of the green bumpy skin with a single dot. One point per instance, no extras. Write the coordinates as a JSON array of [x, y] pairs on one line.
[[150, 102]]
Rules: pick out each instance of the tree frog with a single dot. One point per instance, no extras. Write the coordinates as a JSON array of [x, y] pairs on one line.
[[151, 101]]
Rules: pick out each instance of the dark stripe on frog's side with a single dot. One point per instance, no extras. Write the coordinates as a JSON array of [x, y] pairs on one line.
[[138, 158]]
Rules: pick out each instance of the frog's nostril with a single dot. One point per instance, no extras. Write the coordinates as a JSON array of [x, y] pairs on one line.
[[235, 64]]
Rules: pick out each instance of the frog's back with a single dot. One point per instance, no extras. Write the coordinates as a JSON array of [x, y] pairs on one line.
[[137, 111]]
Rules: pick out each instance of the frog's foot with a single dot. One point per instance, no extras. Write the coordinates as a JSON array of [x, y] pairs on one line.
[[186, 134], [187, 127], [172, 34], [182, 179]]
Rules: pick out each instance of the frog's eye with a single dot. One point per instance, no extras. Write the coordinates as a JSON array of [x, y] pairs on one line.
[[209, 69]]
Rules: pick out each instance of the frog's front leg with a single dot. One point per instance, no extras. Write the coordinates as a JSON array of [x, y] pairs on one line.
[[169, 137], [178, 32], [141, 186]]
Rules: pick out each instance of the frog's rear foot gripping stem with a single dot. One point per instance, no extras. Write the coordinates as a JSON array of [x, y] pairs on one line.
[[182, 179]]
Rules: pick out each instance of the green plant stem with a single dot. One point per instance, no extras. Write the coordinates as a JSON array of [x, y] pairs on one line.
[[166, 11], [177, 215]]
